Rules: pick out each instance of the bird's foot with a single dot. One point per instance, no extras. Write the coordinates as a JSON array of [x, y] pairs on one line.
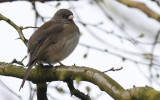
[[49, 66], [43, 67], [61, 63]]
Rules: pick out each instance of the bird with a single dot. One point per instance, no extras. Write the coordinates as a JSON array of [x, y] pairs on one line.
[[53, 41]]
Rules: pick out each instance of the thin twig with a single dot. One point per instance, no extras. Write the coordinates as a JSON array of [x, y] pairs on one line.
[[113, 69], [152, 52], [29, 27], [101, 40], [19, 30], [10, 90], [115, 54], [113, 33]]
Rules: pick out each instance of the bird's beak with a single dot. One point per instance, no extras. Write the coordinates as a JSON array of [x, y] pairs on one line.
[[71, 17]]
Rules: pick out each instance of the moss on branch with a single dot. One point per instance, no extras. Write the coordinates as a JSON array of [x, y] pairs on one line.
[[62, 73]]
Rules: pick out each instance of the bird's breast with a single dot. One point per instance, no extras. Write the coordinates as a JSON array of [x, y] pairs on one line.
[[62, 49], [70, 45]]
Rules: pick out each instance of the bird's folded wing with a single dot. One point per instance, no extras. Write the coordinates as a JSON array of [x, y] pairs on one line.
[[42, 37]]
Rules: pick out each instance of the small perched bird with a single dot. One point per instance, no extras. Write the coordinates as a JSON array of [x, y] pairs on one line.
[[53, 41]]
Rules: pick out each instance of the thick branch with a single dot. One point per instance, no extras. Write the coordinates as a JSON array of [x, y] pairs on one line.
[[142, 7], [104, 82], [76, 92], [42, 91], [144, 93]]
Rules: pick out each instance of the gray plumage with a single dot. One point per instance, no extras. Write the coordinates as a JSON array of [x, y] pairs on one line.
[[53, 41]]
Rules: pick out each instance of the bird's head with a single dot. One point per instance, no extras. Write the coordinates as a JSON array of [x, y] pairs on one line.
[[63, 15]]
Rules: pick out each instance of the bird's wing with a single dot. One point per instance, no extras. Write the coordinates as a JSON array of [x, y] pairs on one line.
[[39, 39]]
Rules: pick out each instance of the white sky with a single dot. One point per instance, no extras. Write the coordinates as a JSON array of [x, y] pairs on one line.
[[22, 14]]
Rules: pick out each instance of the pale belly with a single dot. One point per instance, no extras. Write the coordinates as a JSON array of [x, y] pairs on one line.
[[58, 52]]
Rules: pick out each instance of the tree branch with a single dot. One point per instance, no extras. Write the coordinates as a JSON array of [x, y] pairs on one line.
[[118, 55], [76, 92], [19, 29], [104, 82], [1, 1], [62, 73], [42, 91], [142, 7]]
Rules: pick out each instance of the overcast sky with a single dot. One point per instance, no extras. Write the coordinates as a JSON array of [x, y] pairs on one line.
[[22, 14]]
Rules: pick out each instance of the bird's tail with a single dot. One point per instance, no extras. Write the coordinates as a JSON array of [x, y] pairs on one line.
[[26, 75]]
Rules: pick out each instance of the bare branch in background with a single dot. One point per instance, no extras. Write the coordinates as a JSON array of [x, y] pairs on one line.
[[10, 90], [1, 1], [142, 7], [118, 55], [157, 2]]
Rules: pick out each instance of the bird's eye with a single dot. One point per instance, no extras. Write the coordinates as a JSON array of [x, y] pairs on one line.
[[63, 16]]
